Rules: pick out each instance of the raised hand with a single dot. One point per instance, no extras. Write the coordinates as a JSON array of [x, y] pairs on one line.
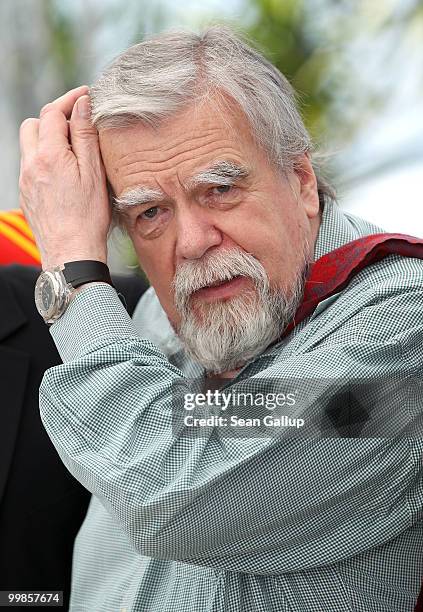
[[62, 182]]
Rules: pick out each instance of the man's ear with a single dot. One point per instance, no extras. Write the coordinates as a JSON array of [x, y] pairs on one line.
[[308, 194]]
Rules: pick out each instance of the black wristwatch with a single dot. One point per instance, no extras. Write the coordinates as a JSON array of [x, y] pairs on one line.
[[54, 288]]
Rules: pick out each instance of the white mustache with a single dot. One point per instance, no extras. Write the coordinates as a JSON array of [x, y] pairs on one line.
[[216, 268]]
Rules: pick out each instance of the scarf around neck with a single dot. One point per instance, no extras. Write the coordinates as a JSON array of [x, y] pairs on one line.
[[332, 272]]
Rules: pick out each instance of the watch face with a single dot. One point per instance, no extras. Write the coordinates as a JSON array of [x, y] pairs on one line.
[[46, 295], [51, 295]]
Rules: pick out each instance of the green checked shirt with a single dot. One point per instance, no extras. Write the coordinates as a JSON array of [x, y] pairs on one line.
[[299, 521]]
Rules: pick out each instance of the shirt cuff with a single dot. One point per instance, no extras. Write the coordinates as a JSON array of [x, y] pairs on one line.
[[95, 313]]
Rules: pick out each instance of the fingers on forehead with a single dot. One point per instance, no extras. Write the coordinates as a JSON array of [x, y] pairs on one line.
[[54, 127], [76, 92], [66, 102]]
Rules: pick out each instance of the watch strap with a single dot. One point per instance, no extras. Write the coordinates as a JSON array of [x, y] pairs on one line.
[[79, 273]]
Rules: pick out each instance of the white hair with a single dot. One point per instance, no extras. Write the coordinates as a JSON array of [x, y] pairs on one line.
[[156, 78]]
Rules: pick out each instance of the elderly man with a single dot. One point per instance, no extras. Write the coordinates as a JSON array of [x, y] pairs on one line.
[[256, 277]]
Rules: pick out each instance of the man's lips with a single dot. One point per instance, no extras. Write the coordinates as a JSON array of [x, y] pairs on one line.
[[222, 289]]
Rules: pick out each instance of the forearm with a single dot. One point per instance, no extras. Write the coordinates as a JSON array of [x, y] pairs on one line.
[[109, 412]]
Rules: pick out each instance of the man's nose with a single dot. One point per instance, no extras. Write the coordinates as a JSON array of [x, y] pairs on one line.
[[196, 233]]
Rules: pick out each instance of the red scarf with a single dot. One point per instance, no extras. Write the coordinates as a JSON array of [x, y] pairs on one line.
[[332, 272]]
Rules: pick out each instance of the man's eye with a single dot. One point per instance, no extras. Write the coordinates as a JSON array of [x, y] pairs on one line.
[[150, 213], [221, 189]]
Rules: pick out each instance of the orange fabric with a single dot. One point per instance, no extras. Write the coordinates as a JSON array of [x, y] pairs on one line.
[[17, 243]]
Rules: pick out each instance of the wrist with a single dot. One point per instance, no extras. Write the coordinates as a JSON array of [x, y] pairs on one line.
[[56, 287], [51, 261]]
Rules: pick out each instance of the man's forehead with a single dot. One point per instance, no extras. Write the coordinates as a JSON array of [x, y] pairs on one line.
[[193, 122]]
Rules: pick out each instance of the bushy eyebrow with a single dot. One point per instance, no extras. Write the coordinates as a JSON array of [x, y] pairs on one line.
[[136, 196], [219, 173]]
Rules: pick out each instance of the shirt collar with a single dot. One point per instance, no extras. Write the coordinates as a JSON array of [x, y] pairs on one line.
[[336, 228]]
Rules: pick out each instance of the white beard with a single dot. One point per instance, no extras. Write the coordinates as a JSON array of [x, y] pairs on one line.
[[224, 335]]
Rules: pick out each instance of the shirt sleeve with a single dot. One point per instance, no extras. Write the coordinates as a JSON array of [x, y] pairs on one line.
[[260, 506]]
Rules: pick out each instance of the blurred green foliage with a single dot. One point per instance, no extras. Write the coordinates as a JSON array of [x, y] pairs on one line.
[[321, 45], [279, 30]]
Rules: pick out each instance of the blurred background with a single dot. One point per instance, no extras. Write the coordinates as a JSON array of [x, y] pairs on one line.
[[357, 66]]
